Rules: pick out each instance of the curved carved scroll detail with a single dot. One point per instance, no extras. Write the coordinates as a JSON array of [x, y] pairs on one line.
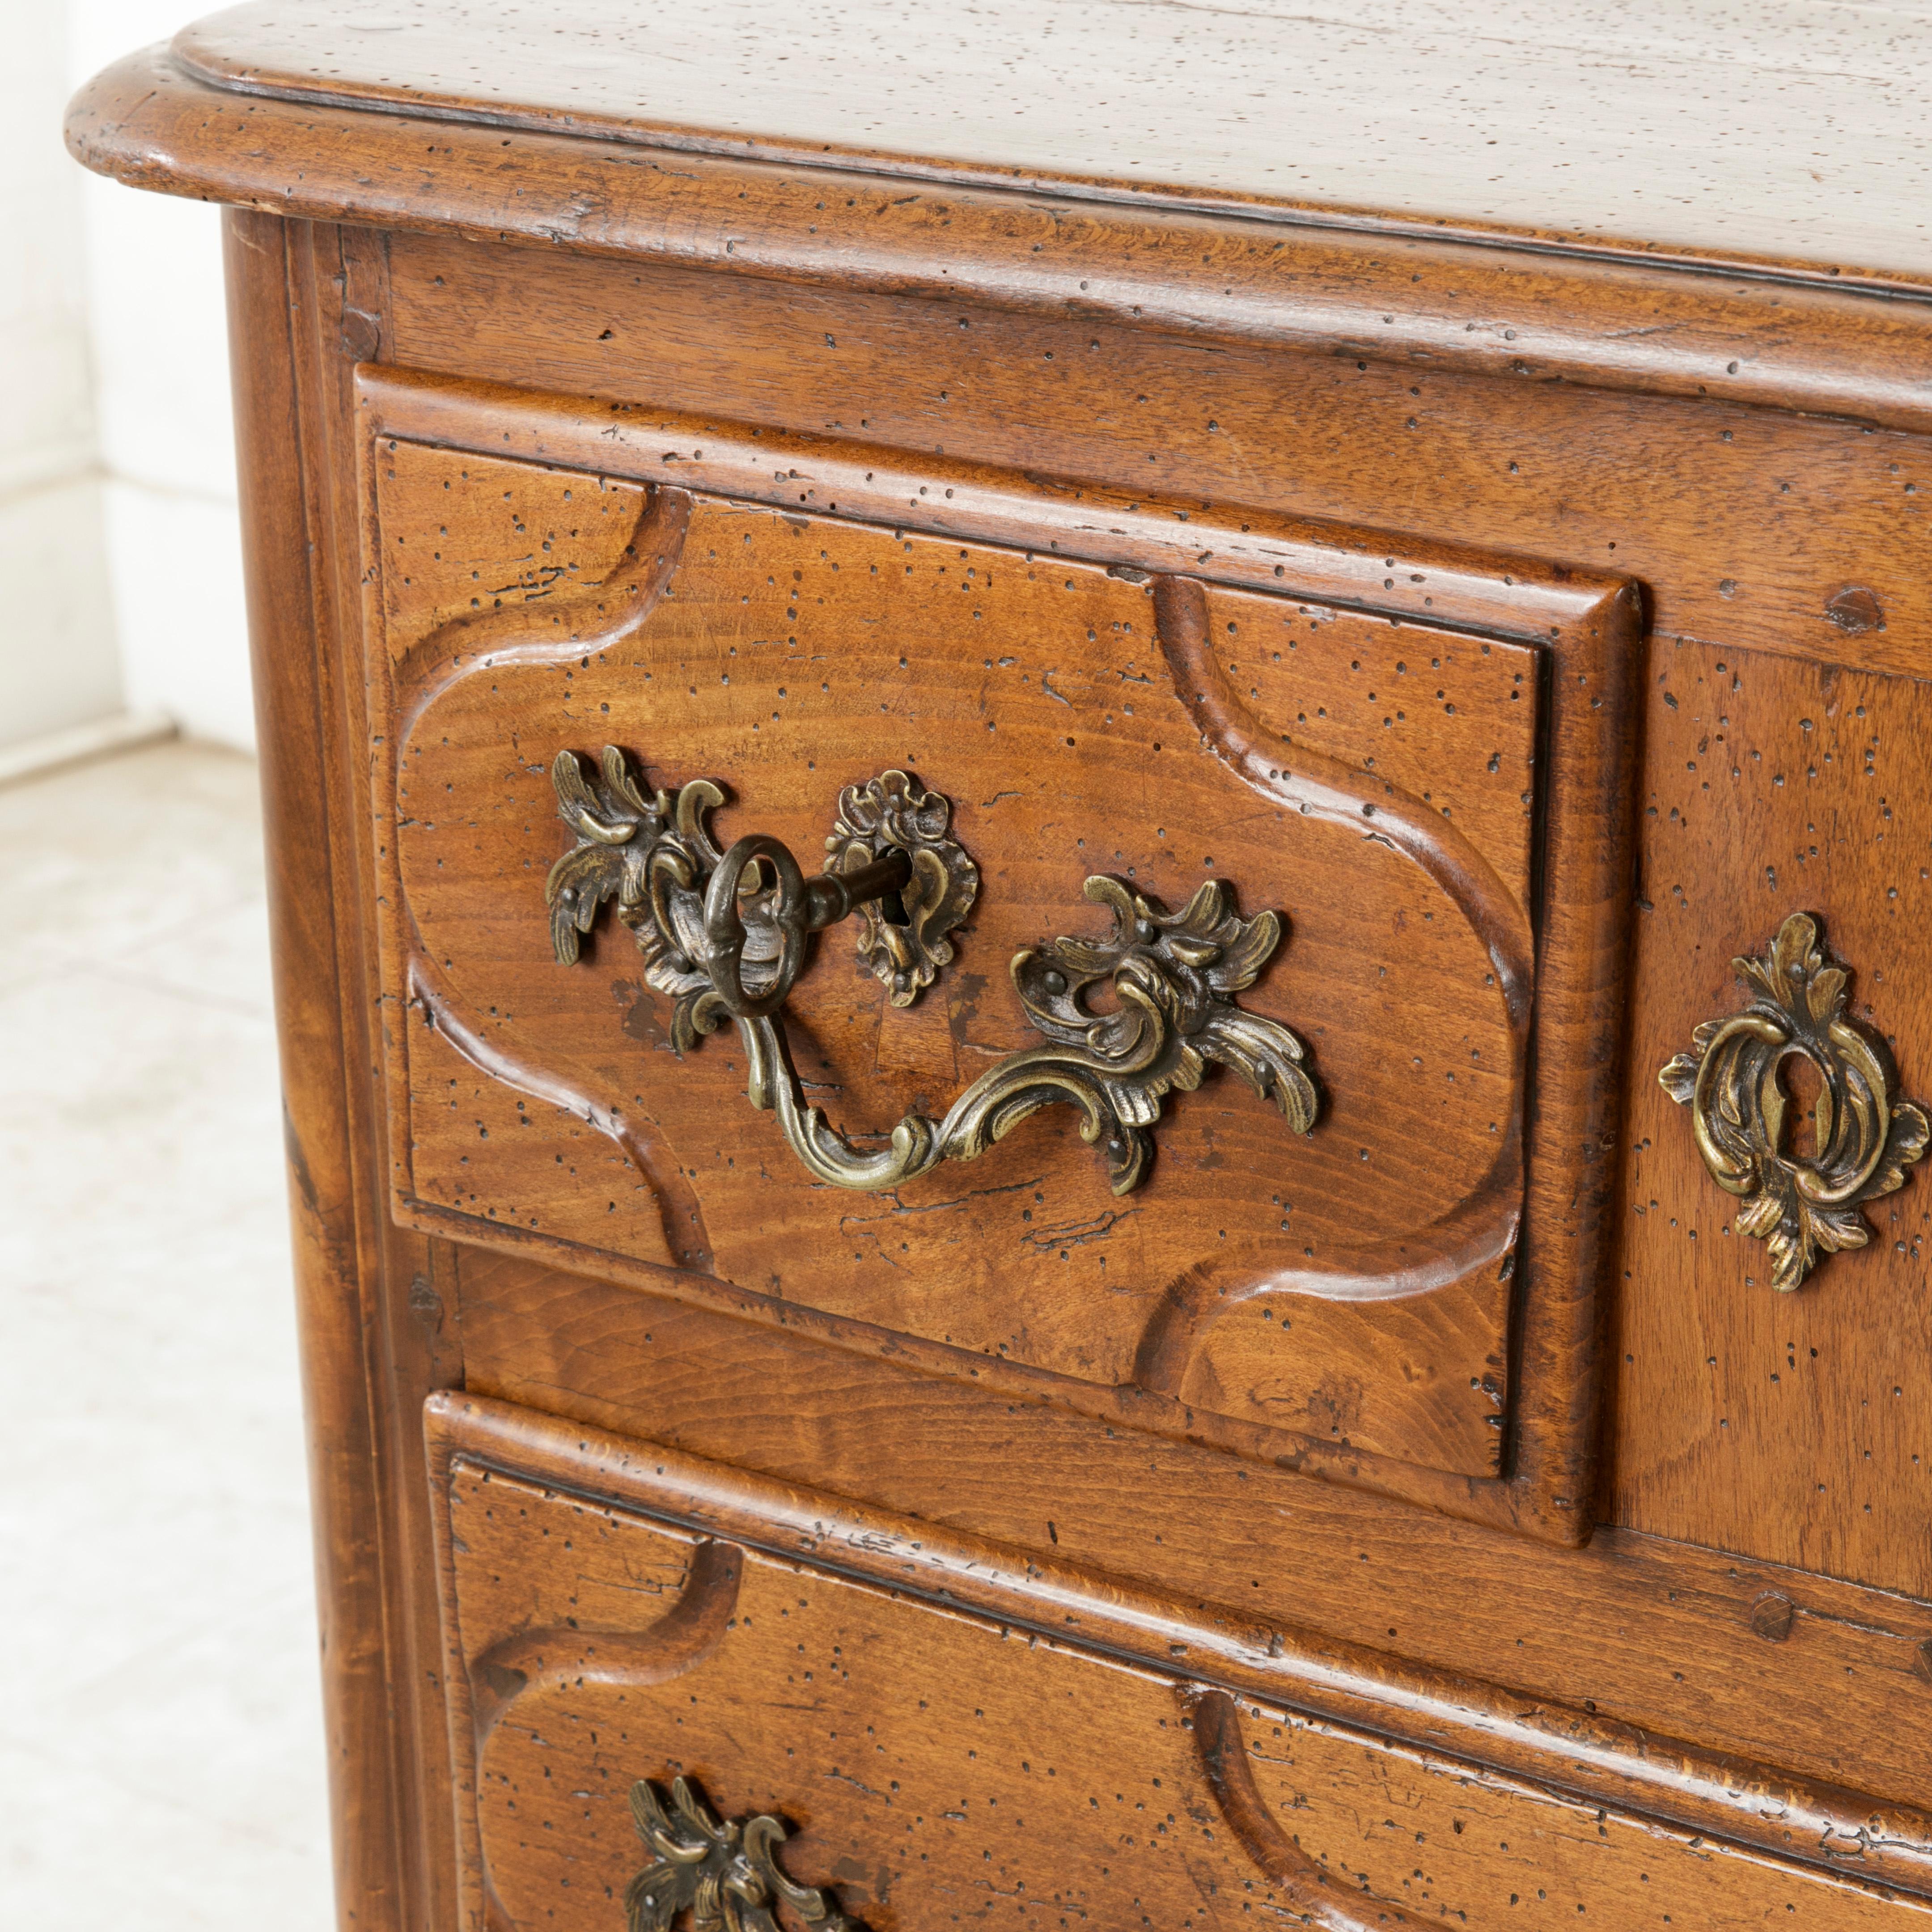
[[1308, 1888], [686, 1239], [587, 617], [1482, 1230], [1319, 786], [723, 1872], [1865, 1140], [687, 1634], [723, 939]]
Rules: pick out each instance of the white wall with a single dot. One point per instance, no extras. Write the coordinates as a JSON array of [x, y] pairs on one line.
[[118, 523], [155, 316], [58, 664]]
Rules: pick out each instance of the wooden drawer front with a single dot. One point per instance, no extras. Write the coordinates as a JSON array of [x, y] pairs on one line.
[[721, 605], [937, 1765], [1793, 1426]]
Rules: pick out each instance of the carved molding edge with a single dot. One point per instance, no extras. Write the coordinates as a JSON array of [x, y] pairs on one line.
[[1317, 1896], [724, 1872], [1865, 1139]]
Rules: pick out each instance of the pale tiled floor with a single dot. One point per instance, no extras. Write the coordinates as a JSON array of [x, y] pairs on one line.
[[160, 1748]]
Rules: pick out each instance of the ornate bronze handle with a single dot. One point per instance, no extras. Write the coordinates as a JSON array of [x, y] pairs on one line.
[[723, 935], [1865, 1139]]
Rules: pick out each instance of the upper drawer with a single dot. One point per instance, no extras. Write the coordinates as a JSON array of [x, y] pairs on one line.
[[1294, 1139]]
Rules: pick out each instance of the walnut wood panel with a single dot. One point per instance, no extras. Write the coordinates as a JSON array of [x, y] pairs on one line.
[[288, 622], [1745, 525], [372, 1296], [362, 1283], [955, 1738], [1787, 339], [1063, 694], [1762, 1662], [1028, 1254], [1796, 1426], [340, 297]]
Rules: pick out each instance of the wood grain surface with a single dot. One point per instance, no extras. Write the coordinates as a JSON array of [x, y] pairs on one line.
[[289, 641], [1817, 343], [1772, 786], [1743, 1655], [948, 1727], [1699, 128], [602, 354], [735, 638], [1659, 1635], [370, 1293], [1743, 524]]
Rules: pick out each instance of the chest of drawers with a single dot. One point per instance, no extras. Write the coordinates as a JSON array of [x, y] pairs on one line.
[[1100, 994]]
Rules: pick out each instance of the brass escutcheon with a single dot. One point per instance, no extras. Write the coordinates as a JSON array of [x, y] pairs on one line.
[[1864, 1139]]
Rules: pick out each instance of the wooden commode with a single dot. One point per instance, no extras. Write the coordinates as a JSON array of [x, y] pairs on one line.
[[1102, 881]]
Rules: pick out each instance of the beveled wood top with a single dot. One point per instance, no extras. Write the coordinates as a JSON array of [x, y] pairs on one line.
[[1789, 130]]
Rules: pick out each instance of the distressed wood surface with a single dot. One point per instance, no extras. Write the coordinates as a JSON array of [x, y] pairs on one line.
[[1659, 1635], [270, 291], [1702, 128], [1745, 525], [1695, 330], [1772, 786], [1443, 438], [1695, 1647], [1334, 1288], [941, 1725], [375, 1338]]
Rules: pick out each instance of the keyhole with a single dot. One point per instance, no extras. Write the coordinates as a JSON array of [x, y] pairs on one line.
[[1802, 1084], [892, 908]]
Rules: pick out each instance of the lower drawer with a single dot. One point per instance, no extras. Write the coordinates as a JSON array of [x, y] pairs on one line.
[[916, 1759]]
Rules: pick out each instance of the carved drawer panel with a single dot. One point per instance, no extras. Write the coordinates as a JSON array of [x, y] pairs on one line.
[[1333, 1196], [925, 1751]]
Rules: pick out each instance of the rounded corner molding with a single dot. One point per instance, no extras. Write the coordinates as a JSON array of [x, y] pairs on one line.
[[724, 935], [1865, 1140]]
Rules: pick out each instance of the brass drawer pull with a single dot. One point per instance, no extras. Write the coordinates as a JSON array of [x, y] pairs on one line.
[[726, 1874], [1865, 1138], [723, 935]]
